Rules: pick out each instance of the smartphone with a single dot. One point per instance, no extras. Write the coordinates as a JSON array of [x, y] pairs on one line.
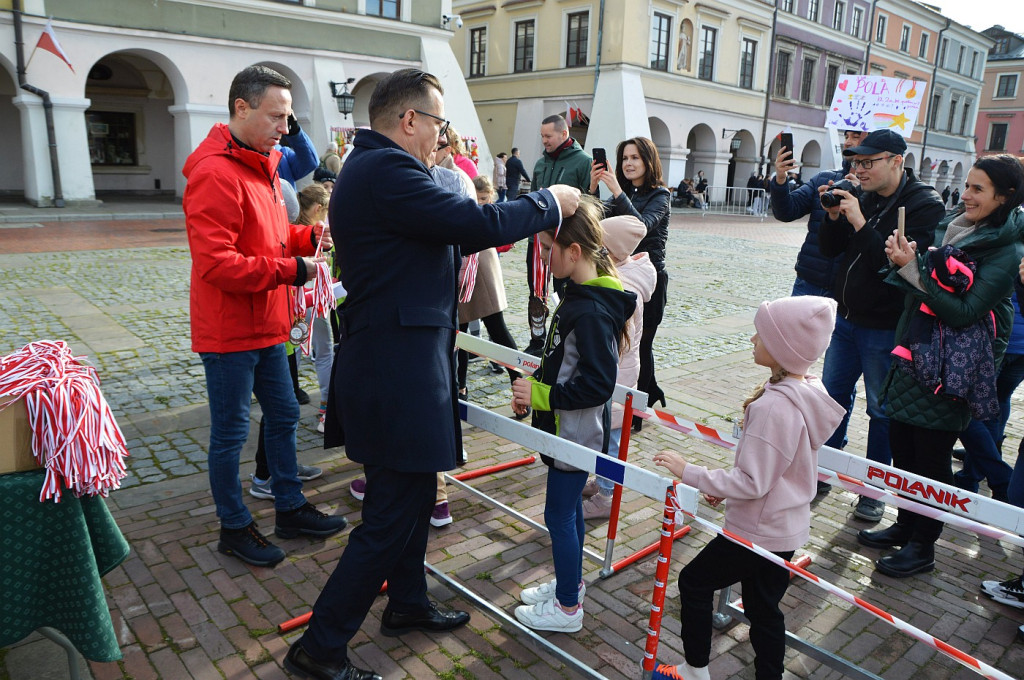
[[787, 140], [600, 157]]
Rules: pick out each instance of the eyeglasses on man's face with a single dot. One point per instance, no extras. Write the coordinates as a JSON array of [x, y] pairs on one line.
[[867, 163], [444, 123]]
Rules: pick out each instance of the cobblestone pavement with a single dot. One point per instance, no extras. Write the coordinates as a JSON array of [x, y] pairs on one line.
[[182, 610]]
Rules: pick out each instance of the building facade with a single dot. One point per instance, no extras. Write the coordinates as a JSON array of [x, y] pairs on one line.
[[691, 76], [150, 79], [1000, 124]]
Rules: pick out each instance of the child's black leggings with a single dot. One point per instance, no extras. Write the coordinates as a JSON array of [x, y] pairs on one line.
[[722, 563]]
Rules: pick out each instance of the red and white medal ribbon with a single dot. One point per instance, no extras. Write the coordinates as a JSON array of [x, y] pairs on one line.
[[74, 434], [467, 277]]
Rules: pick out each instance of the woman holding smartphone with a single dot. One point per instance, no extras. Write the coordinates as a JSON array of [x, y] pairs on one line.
[[637, 189]]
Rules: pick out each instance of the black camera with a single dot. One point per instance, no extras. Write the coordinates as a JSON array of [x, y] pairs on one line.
[[829, 199]]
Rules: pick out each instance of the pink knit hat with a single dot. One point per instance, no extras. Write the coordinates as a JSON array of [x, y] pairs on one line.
[[796, 330]]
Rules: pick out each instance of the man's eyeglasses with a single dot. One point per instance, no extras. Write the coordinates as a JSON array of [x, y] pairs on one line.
[[867, 163], [444, 123]]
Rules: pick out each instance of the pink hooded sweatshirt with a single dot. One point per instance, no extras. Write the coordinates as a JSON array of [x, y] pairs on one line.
[[773, 481], [622, 234]]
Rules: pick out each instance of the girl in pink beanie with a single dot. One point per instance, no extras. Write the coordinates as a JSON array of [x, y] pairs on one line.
[[769, 490]]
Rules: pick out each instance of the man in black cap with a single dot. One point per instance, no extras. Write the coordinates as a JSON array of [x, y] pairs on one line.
[[856, 227]]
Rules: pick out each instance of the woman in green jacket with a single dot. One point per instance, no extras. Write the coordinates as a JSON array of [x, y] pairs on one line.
[[924, 424]]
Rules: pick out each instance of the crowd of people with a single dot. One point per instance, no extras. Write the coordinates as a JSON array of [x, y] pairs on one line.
[[414, 234]]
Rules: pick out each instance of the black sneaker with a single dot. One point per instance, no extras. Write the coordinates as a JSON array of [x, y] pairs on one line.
[[302, 397], [249, 545], [823, 489], [307, 520]]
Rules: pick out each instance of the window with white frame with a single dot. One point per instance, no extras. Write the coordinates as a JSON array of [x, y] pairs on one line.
[[807, 79], [1006, 85], [747, 62], [880, 31], [389, 9], [577, 38], [813, 9], [953, 103], [974, 63], [708, 43], [1002, 46], [478, 52], [960, 59], [943, 46], [661, 28], [838, 15], [858, 22], [965, 116], [997, 137], [933, 113], [905, 38], [782, 68], [523, 57], [787, 6], [831, 78], [922, 50]]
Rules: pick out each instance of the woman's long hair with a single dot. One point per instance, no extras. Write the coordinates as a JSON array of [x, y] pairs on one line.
[[311, 197], [1007, 176], [652, 164], [584, 229]]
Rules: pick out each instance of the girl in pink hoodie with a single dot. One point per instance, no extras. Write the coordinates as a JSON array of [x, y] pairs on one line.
[[769, 489]]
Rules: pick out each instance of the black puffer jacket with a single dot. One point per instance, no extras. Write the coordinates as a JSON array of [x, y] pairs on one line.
[[651, 208], [860, 289]]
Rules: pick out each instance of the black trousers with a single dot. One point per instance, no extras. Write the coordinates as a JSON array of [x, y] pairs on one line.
[[654, 312], [389, 544], [722, 563], [498, 332], [924, 452]]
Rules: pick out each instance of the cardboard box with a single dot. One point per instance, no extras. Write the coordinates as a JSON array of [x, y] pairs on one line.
[[15, 437]]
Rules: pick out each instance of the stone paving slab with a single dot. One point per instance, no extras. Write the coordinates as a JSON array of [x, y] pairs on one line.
[[182, 610]]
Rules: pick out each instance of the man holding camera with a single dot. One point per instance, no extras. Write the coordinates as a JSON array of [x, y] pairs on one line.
[[855, 227]]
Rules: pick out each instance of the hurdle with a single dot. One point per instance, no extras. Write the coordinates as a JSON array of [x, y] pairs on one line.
[[632, 400]]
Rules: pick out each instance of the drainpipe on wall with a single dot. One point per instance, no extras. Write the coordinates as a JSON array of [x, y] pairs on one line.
[[769, 82], [928, 114], [871, 37], [600, 38], [51, 136]]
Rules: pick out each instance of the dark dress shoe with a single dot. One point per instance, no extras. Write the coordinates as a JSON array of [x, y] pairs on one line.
[[913, 558], [890, 537], [394, 623], [299, 662]]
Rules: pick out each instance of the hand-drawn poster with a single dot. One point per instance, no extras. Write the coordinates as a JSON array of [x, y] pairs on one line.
[[876, 102]]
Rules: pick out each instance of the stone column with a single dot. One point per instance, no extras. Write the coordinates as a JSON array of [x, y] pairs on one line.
[[192, 123], [72, 150]]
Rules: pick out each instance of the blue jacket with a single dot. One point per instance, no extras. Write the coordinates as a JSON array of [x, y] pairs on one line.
[[393, 400], [298, 158], [788, 206]]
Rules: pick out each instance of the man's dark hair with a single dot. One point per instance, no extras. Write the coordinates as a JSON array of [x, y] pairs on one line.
[[557, 120], [515, 150], [251, 83], [400, 91], [502, 155], [1007, 176]]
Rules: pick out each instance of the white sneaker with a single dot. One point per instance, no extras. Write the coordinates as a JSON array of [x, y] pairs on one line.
[[683, 671], [547, 615], [320, 424], [1006, 592], [546, 591]]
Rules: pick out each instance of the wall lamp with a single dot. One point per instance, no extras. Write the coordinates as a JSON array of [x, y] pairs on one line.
[[726, 134], [345, 99]]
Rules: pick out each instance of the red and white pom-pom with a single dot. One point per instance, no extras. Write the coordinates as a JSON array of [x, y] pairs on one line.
[[467, 278], [74, 434]]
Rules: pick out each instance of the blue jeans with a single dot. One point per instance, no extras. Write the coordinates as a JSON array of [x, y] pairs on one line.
[[983, 440], [854, 351], [231, 380], [563, 515], [501, 195], [804, 287], [607, 486]]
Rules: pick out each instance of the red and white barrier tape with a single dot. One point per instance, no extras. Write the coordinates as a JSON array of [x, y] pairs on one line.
[[974, 664], [74, 434]]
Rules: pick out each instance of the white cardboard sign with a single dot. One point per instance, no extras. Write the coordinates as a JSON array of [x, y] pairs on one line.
[[875, 103]]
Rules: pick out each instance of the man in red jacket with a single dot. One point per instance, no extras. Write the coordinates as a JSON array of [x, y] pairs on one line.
[[245, 255]]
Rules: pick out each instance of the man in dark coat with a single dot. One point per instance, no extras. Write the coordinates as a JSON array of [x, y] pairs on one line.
[[945, 197], [393, 396], [514, 172]]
